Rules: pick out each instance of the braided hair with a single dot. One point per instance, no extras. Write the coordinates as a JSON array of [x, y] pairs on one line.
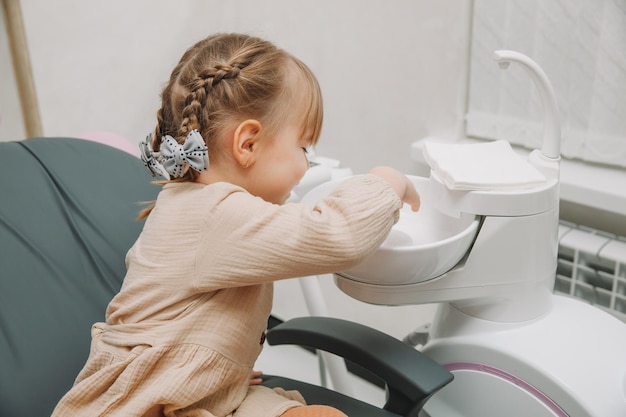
[[228, 78]]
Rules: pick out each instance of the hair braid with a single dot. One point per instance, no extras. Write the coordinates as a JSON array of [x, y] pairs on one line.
[[196, 113], [193, 112], [220, 72]]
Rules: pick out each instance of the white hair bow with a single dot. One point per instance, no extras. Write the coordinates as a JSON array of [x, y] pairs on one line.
[[171, 160], [193, 152], [149, 159]]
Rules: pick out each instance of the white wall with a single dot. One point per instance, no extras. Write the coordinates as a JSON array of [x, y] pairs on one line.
[[391, 72]]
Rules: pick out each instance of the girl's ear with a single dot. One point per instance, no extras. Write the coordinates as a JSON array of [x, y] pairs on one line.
[[245, 142]]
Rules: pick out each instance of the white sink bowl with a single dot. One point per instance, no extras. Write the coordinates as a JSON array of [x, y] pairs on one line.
[[421, 246]]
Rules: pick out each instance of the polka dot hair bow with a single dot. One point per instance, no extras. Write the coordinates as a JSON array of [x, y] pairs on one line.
[[148, 158], [192, 152]]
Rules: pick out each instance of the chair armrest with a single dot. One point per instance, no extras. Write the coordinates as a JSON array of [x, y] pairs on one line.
[[410, 376]]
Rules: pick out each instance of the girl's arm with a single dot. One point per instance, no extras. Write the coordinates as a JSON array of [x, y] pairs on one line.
[[249, 241]]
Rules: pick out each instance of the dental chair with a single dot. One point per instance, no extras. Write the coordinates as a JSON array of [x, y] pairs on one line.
[[67, 219]]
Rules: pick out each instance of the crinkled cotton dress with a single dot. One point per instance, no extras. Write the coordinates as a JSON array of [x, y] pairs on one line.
[[182, 335]]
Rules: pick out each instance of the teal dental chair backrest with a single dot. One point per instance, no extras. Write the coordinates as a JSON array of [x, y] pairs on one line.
[[63, 238]]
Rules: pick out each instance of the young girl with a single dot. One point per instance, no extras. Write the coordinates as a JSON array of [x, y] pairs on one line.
[[182, 336]]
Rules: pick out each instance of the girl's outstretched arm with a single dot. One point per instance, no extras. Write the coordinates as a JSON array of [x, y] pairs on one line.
[[401, 185]]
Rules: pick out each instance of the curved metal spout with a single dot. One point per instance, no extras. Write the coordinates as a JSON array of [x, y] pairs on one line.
[[551, 147]]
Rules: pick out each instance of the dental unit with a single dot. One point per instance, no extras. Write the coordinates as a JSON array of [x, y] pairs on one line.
[[484, 246]]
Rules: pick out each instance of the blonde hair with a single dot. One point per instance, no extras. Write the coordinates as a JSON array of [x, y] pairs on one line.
[[227, 78]]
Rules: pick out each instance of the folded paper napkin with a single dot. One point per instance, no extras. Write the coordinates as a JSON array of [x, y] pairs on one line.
[[481, 166]]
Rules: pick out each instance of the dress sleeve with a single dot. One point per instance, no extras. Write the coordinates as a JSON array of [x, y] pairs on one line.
[[249, 241]]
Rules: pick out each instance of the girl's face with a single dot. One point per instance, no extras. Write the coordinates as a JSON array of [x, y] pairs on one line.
[[280, 164]]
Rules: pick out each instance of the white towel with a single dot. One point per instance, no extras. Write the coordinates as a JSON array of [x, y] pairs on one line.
[[481, 166]]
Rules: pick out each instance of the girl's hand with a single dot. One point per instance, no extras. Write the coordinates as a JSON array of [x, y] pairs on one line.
[[401, 184], [255, 378]]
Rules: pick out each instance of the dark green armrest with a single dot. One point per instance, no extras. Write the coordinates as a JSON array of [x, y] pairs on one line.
[[410, 376]]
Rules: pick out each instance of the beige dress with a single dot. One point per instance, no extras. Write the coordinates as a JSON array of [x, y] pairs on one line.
[[182, 335]]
